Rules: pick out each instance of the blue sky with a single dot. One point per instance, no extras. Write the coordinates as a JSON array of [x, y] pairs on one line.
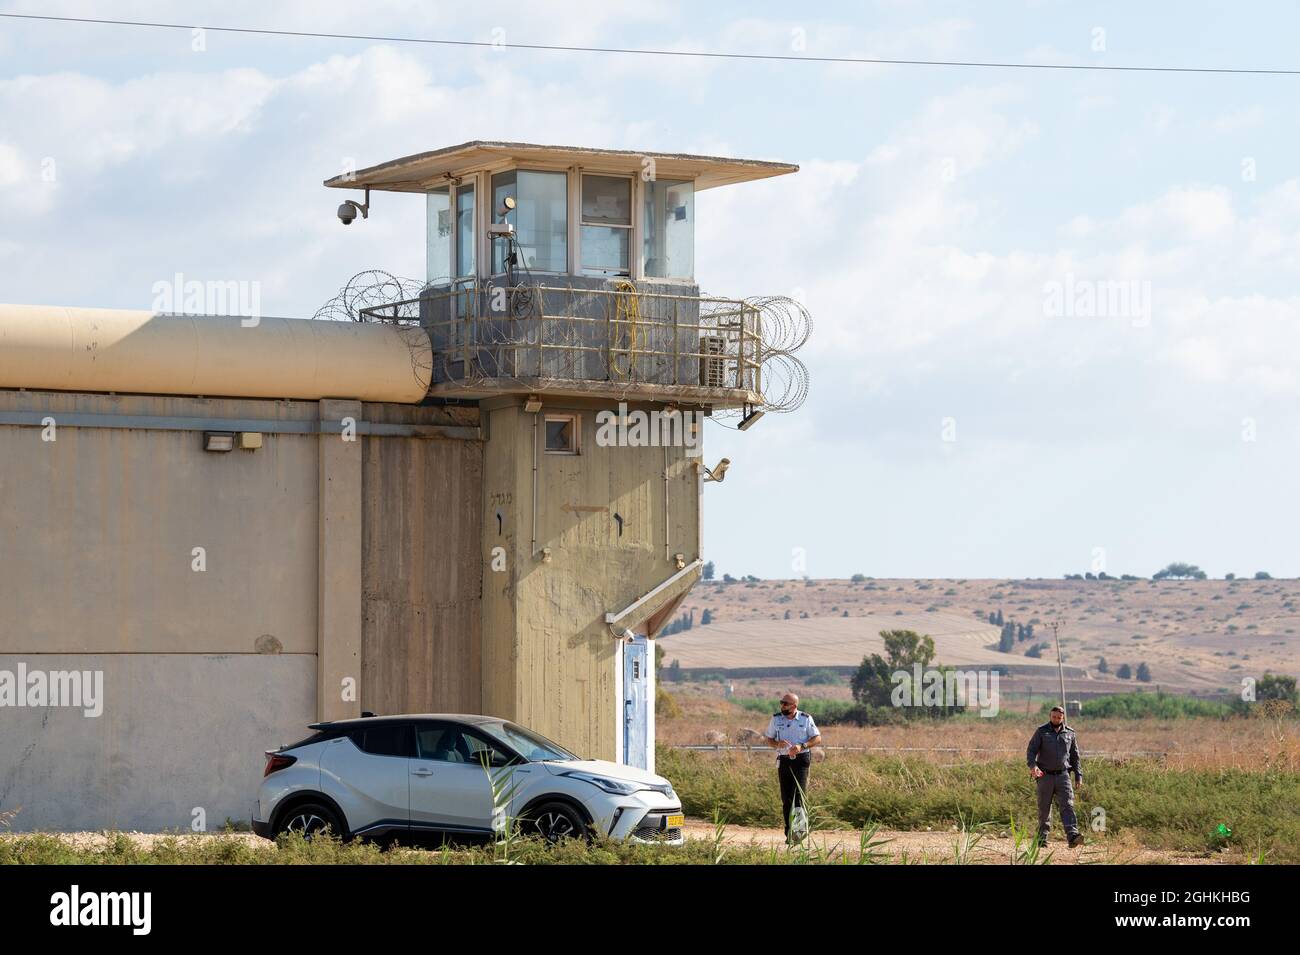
[[957, 425]]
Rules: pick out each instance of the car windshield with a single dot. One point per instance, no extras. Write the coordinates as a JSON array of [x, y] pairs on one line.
[[531, 746]]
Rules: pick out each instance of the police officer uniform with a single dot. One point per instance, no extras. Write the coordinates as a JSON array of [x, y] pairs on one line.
[[1056, 752], [792, 772]]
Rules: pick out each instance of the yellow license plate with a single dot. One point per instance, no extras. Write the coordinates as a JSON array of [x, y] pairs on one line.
[[674, 822]]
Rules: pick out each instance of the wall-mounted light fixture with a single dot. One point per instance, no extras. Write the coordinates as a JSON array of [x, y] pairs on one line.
[[218, 440], [532, 404]]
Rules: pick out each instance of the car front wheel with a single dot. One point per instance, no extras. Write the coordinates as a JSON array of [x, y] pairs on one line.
[[554, 821]]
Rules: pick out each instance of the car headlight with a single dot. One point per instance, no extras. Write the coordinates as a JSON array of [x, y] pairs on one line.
[[619, 787]]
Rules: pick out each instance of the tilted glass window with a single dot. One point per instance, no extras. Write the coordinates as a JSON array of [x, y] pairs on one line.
[[465, 236], [437, 255], [541, 219], [606, 224], [669, 229]]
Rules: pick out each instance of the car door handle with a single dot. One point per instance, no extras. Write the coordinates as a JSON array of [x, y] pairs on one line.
[[422, 772]]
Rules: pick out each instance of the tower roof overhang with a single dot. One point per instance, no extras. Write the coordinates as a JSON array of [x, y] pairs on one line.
[[424, 171]]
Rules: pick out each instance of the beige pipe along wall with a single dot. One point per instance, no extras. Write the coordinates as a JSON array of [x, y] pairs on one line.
[[92, 349]]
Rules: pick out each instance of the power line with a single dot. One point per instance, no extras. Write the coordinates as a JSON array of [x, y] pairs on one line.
[[630, 51]]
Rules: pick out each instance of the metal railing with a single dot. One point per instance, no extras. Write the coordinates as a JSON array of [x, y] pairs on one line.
[[623, 335]]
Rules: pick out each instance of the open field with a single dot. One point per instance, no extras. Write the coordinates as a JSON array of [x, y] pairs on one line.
[[1195, 635], [1245, 744], [1139, 802]]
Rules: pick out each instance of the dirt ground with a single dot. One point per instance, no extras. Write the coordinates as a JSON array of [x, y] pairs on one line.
[[939, 847]]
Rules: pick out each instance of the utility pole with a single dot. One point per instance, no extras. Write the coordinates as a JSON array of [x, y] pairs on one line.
[[1060, 668]]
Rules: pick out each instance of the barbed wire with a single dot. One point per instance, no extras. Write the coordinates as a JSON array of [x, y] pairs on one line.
[[375, 287], [623, 335]]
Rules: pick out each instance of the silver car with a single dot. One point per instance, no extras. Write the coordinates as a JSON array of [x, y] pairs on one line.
[[433, 774]]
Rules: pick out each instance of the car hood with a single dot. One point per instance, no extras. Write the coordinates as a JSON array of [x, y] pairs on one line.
[[605, 768]]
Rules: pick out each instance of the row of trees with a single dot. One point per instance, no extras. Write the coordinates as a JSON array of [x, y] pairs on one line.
[[1126, 672]]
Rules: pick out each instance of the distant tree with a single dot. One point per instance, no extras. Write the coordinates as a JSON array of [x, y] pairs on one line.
[[675, 670], [1179, 570], [993, 618], [1089, 576], [857, 578], [1035, 651], [659, 660], [1263, 575], [708, 571], [1229, 576], [1275, 686], [787, 615], [873, 682], [706, 618], [1143, 673], [1125, 672], [845, 614], [728, 579], [1007, 643], [998, 621], [1102, 665], [1029, 631]]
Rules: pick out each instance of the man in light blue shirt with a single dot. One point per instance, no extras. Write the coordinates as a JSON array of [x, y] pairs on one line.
[[792, 733]]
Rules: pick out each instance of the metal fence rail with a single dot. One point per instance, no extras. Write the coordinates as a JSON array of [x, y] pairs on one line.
[[485, 332]]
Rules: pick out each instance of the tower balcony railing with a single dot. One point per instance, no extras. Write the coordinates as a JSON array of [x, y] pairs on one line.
[[616, 339]]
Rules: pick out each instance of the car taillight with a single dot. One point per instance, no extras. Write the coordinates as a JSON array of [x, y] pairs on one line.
[[276, 762]]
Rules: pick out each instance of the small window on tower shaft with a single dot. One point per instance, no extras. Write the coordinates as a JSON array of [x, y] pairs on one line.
[[562, 434]]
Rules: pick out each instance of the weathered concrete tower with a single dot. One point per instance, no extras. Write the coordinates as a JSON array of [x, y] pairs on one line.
[[483, 496], [561, 298]]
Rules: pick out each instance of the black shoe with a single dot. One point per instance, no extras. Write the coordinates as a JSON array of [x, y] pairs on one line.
[[1042, 842], [1076, 840]]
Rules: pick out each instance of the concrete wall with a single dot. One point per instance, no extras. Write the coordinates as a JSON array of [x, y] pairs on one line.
[[178, 732], [320, 561], [549, 659], [421, 634]]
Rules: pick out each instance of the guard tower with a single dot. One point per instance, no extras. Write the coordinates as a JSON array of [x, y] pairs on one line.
[[560, 297]]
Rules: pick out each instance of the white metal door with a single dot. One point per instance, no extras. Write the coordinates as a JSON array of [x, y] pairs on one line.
[[636, 703]]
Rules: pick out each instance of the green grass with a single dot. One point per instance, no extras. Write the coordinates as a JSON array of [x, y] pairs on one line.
[[1138, 706], [1164, 808], [43, 849]]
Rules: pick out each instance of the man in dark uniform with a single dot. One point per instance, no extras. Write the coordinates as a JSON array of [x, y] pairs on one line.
[[1053, 756], [792, 734]]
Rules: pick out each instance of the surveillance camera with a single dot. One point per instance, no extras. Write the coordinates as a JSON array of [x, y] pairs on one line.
[[350, 207]]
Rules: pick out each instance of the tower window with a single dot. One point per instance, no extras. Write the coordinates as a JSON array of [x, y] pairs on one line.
[[561, 434]]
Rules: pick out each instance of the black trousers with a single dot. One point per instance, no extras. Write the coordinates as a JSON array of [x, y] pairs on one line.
[[793, 774]]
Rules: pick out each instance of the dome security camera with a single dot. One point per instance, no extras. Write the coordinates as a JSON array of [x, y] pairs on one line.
[[350, 207]]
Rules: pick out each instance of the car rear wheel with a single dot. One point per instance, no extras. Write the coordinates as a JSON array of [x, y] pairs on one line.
[[554, 821], [311, 820]]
